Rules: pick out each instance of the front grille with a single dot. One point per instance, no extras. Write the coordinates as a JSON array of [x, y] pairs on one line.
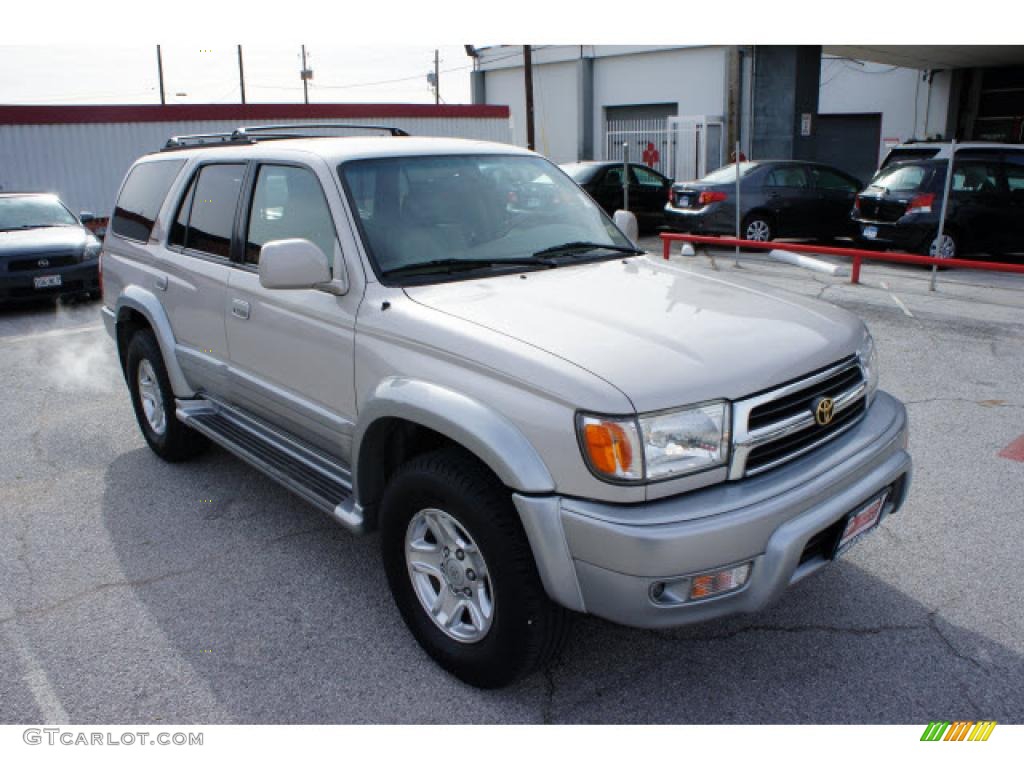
[[775, 427], [796, 443], [775, 411], [32, 263]]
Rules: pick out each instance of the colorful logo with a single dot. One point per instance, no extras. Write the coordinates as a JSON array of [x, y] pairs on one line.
[[961, 730]]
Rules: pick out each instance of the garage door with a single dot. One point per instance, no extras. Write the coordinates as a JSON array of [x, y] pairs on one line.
[[850, 143]]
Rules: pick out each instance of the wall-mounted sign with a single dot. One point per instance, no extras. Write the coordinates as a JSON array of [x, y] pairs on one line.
[[805, 124]]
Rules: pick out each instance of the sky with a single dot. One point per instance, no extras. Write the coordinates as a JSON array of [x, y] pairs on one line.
[[89, 74]]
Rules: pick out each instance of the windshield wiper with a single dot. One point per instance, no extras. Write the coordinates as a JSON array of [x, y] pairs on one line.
[[583, 245], [449, 266]]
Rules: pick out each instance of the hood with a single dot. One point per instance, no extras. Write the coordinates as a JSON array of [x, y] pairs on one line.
[[44, 240], [663, 336]]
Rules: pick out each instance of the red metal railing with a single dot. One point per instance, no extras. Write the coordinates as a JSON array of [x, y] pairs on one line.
[[856, 254]]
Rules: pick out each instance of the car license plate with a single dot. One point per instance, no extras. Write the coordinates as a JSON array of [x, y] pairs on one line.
[[861, 521], [46, 281], [684, 201], [870, 233]]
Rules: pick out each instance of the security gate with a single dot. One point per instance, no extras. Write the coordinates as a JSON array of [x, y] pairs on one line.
[[697, 145], [682, 148], [648, 141]]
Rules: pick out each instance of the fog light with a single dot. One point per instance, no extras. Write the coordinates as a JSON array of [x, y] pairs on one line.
[[719, 582]]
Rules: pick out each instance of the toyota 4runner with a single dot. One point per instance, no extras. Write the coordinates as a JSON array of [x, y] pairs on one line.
[[535, 415]]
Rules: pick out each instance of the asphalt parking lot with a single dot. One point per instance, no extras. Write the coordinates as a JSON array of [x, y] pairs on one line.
[[135, 591]]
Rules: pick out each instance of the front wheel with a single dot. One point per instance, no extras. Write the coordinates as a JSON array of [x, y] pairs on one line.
[[153, 400], [462, 573]]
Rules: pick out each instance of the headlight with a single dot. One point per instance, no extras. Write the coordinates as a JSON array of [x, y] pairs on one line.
[[868, 356], [92, 249], [657, 446]]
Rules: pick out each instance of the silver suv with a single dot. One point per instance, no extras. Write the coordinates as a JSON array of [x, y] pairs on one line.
[[450, 343]]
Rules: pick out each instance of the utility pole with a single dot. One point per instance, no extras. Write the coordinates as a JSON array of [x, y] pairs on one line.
[[305, 77], [437, 80], [528, 75], [241, 73], [160, 73]]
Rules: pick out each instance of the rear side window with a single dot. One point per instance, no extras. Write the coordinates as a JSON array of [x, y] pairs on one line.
[[826, 179], [1015, 179], [141, 197], [974, 176], [206, 217], [787, 176], [288, 202]]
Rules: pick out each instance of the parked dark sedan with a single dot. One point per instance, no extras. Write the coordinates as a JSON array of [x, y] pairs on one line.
[[901, 207], [778, 198], [648, 189], [45, 251]]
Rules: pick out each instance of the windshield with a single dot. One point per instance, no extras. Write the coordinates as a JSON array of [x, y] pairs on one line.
[[728, 173], [498, 210], [900, 178], [33, 211]]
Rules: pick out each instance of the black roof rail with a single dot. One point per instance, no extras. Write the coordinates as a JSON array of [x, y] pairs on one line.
[[250, 129], [250, 134]]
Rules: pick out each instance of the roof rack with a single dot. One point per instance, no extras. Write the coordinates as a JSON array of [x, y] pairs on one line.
[[250, 134]]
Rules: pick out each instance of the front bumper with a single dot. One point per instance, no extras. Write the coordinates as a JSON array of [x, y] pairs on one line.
[[603, 558], [82, 277]]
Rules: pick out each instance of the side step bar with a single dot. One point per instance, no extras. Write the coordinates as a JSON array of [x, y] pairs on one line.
[[301, 469]]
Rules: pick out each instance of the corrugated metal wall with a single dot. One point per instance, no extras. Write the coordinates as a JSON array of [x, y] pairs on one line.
[[84, 163]]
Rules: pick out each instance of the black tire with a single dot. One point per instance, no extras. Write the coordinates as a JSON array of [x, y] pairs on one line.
[[176, 442], [527, 630], [764, 221]]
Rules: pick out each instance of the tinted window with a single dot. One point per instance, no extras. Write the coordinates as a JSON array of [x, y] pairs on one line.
[[288, 202], [179, 229], [141, 197], [645, 177], [1015, 178], [826, 179], [787, 176], [974, 176], [212, 215], [613, 177]]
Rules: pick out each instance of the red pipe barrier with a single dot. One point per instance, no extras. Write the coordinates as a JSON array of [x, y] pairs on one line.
[[856, 254]]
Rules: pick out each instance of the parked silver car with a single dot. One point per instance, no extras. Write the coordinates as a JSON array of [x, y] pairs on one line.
[[534, 414]]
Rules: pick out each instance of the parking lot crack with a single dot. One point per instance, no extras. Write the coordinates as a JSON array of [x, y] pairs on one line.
[[934, 626], [803, 628], [982, 403]]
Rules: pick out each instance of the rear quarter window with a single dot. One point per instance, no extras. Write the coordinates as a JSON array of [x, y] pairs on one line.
[[142, 196]]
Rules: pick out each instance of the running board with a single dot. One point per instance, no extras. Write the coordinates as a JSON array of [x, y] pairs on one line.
[[301, 469]]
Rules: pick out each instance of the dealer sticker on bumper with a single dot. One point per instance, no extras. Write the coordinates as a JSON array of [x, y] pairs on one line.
[[861, 521], [870, 233]]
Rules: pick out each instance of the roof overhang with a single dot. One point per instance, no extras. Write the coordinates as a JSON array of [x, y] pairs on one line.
[[932, 56]]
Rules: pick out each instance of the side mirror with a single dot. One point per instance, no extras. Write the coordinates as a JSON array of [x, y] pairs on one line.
[[626, 221], [293, 263], [85, 217]]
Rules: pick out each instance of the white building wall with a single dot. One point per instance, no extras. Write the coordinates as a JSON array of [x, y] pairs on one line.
[[898, 93], [84, 163]]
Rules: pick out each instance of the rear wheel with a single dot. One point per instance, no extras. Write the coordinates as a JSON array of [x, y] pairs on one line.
[[462, 573], [759, 228], [153, 401], [945, 248]]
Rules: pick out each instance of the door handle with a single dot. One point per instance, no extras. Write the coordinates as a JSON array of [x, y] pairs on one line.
[[240, 309], [161, 282]]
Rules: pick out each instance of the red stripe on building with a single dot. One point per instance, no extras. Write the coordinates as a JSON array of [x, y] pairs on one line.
[[1015, 450], [168, 113]]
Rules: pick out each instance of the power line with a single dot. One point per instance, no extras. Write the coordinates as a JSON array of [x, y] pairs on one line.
[[386, 82]]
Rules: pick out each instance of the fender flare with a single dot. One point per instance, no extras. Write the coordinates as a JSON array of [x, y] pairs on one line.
[[147, 305], [476, 427]]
